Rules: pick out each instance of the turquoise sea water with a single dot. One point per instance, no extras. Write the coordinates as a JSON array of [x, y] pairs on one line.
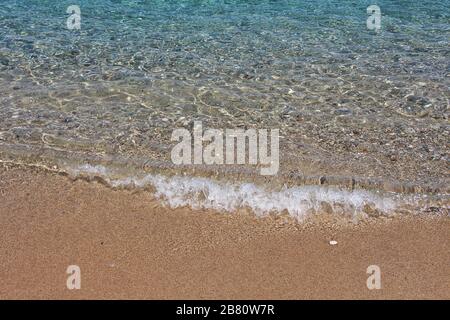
[[348, 101]]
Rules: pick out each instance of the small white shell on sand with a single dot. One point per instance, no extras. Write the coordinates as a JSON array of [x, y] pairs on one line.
[[333, 242]]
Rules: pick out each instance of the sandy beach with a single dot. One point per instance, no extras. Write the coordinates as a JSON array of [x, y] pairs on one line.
[[129, 246], [224, 149]]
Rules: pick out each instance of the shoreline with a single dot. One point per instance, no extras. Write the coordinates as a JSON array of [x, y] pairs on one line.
[[130, 246], [61, 160]]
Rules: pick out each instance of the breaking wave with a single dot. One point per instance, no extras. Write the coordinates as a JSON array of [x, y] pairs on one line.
[[299, 202]]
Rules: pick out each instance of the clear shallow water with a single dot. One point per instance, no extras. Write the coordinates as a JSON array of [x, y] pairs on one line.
[[348, 102]]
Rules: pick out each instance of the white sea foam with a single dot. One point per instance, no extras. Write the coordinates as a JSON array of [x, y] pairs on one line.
[[204, 193]]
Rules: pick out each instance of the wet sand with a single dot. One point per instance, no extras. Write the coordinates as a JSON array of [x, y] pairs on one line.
[[129, 246]]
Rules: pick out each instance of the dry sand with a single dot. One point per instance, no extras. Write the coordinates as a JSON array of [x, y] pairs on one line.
[[130, 246]]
